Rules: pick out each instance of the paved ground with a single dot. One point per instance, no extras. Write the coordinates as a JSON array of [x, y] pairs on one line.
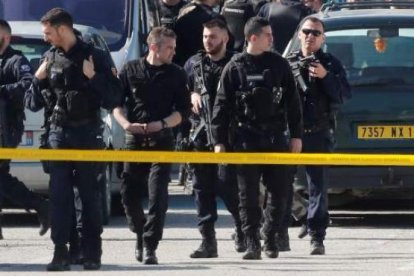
[[359, 243]]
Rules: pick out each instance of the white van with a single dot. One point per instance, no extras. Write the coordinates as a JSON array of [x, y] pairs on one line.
[[123, 24]]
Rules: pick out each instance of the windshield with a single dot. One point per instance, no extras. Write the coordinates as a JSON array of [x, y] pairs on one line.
[[374, 56], [33, 49], [110, 17]]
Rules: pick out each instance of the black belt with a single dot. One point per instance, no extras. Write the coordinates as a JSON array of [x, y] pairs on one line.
[[151, 139]]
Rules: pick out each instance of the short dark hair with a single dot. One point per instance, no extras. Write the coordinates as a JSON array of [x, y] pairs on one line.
[[254, 26], [312, 19], [5, 26], [158, 33], [57, 17], [216, 22]]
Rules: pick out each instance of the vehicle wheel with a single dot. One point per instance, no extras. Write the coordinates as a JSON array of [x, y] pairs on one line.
[[106, 196]]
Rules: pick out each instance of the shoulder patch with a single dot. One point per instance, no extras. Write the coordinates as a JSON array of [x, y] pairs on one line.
[[186, 10], [24, 68]]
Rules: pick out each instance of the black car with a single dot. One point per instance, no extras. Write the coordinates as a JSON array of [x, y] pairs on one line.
[[375, 43]]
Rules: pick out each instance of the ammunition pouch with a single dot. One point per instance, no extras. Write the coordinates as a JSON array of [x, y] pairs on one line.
[[59, 116], [260, 103], [57, 77]]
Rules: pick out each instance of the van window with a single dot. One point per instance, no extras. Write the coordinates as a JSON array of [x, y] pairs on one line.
[[109, 17]]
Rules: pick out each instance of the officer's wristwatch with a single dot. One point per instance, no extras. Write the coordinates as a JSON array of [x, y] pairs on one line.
[[164, 124]]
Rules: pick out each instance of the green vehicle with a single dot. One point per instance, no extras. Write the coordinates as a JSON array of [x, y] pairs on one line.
[[375, 42]]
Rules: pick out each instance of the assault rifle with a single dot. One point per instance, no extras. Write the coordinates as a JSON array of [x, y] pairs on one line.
[[297, 63], [205, 114]]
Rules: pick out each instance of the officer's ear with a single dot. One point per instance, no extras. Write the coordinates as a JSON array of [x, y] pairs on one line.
[[153, 47]]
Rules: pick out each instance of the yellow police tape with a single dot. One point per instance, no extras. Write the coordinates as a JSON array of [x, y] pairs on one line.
[[209, 157]]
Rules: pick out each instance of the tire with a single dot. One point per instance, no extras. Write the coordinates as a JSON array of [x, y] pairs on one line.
[[106, 197]]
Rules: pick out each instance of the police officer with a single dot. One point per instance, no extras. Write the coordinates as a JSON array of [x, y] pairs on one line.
[[284, 17], [236, 13], [76, 79], [204, 71], [15, 78], [325, 87], [189, 25], [169, 10], [256, 94], [155, 99]]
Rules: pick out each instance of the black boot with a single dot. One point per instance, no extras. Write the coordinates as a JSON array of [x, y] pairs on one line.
[[270, 246], [92, 264], [253, 250], [207, 249], [149, 256], [43, 217], [317, 247], [60, 261], [139, 248], [283, 241], [75, 252], [239, 241]]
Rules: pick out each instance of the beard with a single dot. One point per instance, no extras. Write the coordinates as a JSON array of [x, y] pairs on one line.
[[216, 49]]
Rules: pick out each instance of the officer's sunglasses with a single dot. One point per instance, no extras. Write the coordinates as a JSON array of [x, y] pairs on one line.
[[315, 33]]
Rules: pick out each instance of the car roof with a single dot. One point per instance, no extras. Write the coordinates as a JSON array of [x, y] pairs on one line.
[[33, 29], [349, 18]]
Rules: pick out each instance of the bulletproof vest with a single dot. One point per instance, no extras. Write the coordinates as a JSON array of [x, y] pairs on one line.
[[210, 73], [258, 102], [70, 86], [11, 110], [316, 104], [236, 13]]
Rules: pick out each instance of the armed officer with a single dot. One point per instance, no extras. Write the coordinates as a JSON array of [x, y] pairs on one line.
[[236, 13], [323, 87], [189, 25], [76, 79], [256, 94], [155, 98], [15, 77], [284, 17], [204, 71]]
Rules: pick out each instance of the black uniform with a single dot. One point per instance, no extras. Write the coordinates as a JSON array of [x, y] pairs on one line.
[[320, 102], [210, 179], [75, 123], [150, 93], [15, 77], [236, 13], [168, 14], [284, 18], [189, 29], [256, 95]]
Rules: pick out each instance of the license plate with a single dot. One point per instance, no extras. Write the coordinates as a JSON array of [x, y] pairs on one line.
[[27, 139], [386, 132]]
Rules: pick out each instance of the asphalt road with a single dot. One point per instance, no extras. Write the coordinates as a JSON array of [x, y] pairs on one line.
[[358, 243]]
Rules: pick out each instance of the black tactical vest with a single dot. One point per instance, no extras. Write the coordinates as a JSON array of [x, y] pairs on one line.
[[70, 86], [236, 13], [258, 100]]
